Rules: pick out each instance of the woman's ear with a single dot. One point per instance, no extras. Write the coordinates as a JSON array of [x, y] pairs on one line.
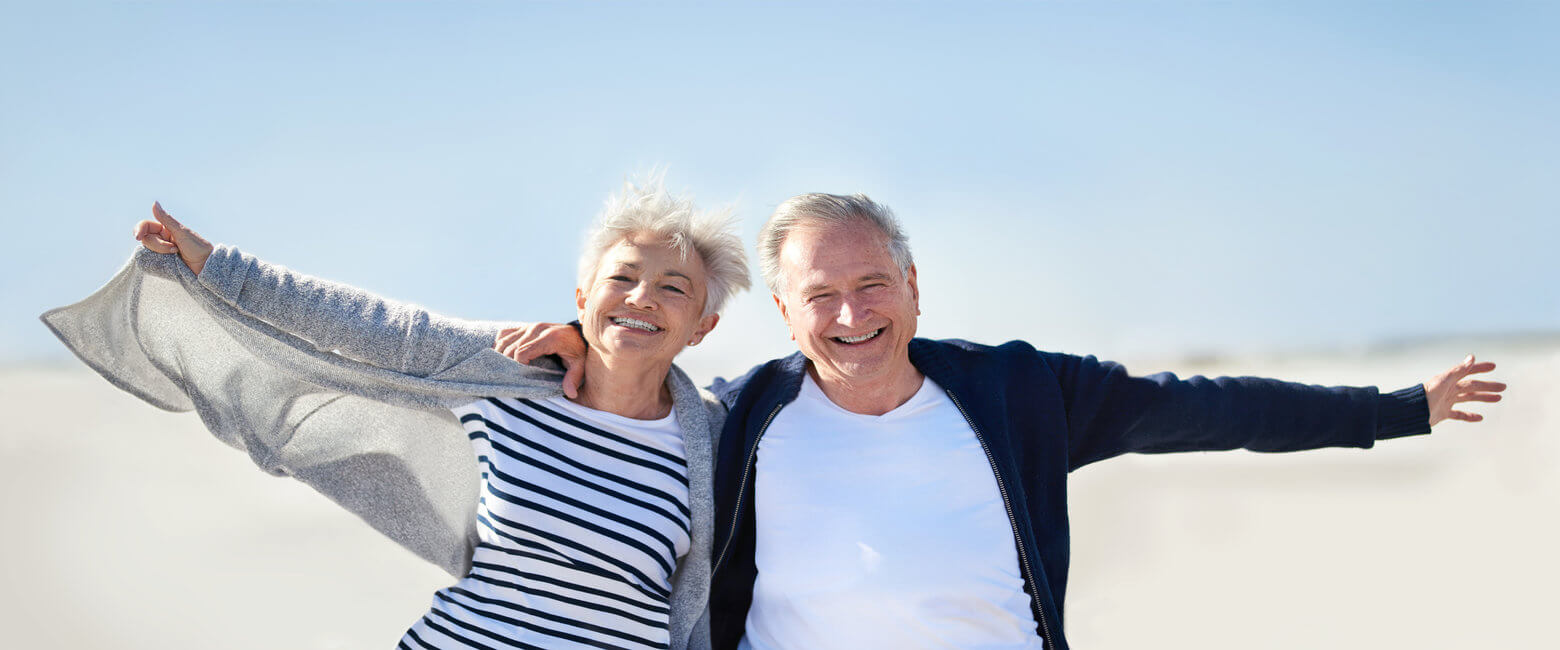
[[706, 324]]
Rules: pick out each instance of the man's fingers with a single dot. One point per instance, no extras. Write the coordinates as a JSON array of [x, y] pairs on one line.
[[1470, 366], [1483, 366], [1478, 397], [573, 376], [1464, 416], [1476, 386]]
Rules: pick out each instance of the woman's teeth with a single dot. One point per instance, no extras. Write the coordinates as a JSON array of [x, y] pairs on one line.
[[636, 324]]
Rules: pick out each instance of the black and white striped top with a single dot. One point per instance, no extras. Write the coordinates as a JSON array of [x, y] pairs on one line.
[[582, 517]]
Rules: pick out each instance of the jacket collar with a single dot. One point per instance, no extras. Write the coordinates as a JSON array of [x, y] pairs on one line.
[[788, 371]]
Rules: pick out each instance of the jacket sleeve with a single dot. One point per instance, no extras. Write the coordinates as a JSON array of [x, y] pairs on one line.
[[343, 319], [1110, 412]]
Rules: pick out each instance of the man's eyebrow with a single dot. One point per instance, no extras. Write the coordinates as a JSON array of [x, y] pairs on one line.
[[877, 276], [814, 288]]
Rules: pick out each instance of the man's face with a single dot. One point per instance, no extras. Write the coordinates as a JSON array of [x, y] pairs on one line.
[[645, 302], [850, 309]]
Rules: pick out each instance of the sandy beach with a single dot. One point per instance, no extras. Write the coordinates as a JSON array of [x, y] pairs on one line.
[[132, 528]]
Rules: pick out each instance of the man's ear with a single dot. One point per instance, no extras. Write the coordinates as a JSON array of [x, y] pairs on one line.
[[783, 315], [706, 324], [915, 289]]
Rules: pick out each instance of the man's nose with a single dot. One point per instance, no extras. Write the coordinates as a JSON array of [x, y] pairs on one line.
[[852, 312]]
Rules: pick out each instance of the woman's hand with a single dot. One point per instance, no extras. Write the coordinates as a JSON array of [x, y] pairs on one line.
[[167, 235], [528, 343]]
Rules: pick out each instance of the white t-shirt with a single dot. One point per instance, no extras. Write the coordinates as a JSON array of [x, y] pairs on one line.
[[882, 532]]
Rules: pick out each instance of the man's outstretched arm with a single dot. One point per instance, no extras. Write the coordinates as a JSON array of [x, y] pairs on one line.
[[1111, 412]]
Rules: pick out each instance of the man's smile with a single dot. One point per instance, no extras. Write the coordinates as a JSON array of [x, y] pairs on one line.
[[853, 340]]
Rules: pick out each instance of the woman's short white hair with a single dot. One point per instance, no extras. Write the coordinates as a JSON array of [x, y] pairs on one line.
[[645, 208], [826, 209]]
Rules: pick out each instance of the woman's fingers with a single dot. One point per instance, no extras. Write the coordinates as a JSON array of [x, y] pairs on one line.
[[157, 244], [154, 237], [166, 219], [192, 248], [147, 227]]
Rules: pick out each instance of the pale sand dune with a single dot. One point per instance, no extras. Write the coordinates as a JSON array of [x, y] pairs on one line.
[[131, 528]]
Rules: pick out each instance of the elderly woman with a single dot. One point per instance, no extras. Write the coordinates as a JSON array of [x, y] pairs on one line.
[[591, 523]]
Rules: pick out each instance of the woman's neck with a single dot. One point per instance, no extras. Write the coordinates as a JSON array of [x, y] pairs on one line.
[[631, 390]]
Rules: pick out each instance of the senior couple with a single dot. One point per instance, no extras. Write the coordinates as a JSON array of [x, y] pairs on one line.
[[873, 490]]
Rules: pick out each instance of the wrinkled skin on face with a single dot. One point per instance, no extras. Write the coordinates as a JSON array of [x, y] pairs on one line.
[[645, 303], [851, 310]]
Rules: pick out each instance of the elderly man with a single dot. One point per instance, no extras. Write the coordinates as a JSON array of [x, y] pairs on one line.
[[877, 490]]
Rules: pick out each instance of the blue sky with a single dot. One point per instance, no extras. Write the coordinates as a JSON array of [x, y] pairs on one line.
[[1119, 179]]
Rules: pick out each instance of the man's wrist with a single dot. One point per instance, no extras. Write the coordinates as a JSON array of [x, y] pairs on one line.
[[1403, 412]]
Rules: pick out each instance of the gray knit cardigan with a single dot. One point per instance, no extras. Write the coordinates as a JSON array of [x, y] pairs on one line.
[[349, 393]]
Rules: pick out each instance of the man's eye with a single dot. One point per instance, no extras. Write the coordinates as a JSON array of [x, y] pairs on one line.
[[620, 278]]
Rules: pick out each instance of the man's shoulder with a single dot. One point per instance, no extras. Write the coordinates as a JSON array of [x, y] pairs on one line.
[[763, 374], [961, 362], [961, 351]]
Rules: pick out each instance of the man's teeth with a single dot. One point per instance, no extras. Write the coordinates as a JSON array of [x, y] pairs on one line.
[[636, 324], [858, 339]]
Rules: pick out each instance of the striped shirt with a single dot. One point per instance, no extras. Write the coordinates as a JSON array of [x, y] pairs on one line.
[[581, 519]]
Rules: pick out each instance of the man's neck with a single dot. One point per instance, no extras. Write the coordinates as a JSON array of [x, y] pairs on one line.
[[629, 390], [872, 396]]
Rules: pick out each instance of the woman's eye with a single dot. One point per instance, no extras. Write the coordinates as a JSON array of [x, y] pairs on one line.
[[672, 288]]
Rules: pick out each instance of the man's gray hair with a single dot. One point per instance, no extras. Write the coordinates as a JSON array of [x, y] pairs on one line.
[[646, 208], [826, 209]]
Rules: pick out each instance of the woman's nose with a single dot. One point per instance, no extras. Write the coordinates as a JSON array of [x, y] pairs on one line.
[[640, 296]]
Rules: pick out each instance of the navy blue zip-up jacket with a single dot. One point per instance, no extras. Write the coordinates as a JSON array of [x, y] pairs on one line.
[[1040, 415]]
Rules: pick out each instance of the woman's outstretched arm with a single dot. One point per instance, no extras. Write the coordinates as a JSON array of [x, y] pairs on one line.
[[329, 315]]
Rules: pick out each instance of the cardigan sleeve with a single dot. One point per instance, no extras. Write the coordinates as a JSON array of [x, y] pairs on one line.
[[343, 319], [1111, 412]]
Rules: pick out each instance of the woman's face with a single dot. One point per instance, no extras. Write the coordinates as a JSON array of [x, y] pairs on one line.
[[646, 302]]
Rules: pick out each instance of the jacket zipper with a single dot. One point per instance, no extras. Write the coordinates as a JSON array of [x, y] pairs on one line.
[[742, 489], [1023, 556]]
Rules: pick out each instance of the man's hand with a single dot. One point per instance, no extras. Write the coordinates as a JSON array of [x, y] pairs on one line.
[[1450, 388], [528, 343], [167, 235]]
